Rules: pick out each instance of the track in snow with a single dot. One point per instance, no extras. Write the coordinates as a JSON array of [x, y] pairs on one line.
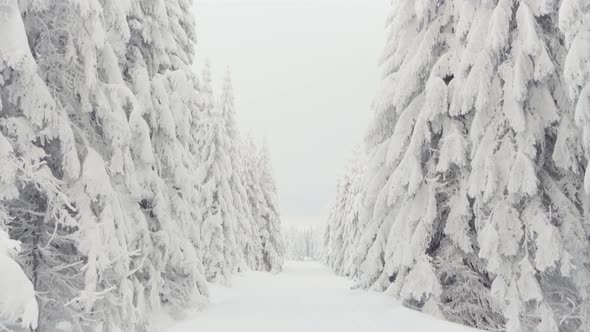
[[306, 297]]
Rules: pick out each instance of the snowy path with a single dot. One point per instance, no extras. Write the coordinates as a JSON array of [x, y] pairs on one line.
[[306, 297]]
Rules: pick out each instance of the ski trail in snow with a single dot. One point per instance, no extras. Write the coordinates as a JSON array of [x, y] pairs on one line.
[[306, 297]]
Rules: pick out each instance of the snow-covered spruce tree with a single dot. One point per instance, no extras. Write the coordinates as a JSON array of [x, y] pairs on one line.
[[354, 207], [528, 201], [37, 155], [334, 241], [219, 216], [243, 232], [343, 231], [574, 16], [273, 247], [374, 223], [478, 186], [18, 305], [77, 49], [206, 130], [158, 65], [129, 264], [251, 180], [574, 23]]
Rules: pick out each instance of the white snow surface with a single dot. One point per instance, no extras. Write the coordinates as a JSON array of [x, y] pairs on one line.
[[306, 297]]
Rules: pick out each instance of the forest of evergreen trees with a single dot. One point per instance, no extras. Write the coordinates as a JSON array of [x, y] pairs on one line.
[[125, 184], [468, 200]]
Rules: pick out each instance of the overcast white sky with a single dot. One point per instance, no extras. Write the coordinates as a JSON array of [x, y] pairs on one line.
[[305, 72]]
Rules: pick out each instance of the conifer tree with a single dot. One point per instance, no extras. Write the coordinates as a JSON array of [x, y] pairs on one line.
[[478, 183], [217, 231], [159, 60], [255, 196], [37, 146], [243, 232], [272, 240], [344, 229]]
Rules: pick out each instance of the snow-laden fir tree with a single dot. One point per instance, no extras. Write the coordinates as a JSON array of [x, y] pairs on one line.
[[273, 246], [18, 305], [473, 204], [574, 16], [79, 51], [528, 201], [36, 145], [343, 229], [374, 223], [252, 185], [369, 247], [266, 247], [244, 236], [573, 22], [158, 60], [99, 257], [206, 140], [217, 230]]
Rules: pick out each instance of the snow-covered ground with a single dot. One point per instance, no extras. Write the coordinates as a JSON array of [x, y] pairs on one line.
[[306, 297]]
